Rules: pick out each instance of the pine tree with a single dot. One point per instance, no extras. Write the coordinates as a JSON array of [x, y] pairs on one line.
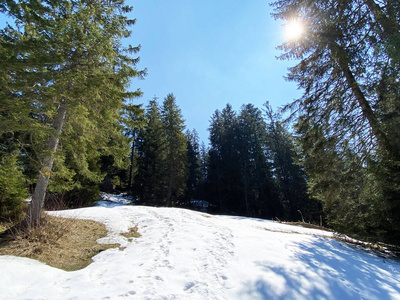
[[73, 82], [133, 120], [223, 169], [150, 184], [12, 190], [349, 69], [204, 159], [176, 144], [256, 177], [291, 180], [194, 165]]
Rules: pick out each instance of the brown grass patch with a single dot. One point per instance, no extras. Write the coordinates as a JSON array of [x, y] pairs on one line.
[[132, 233], [68, 244]]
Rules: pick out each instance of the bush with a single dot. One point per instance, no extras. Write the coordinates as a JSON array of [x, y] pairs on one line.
[[12, 189], [82, 196]]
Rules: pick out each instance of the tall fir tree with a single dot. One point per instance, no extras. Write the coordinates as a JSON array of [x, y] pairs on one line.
[[133, 120], [72, 85], [349, 69], [255, 169], [223, 170], [176, 151], [150, 183], [194, 166], [290, 178]]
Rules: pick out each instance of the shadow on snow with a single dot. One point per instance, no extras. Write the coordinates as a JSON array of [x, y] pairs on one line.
[[328, 269]]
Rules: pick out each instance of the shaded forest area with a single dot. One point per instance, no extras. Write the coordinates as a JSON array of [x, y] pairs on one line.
[[69, 127], [249, 168]]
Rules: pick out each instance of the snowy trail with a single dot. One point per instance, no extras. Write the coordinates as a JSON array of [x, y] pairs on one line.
[[190, 255]]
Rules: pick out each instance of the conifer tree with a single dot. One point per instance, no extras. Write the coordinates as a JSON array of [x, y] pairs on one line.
[[291, 180], [176, 151], [133, 120], [194, 165], [150, 184], [256, 176], [73, 82], [223, 169], [349, 69], [12, 190]]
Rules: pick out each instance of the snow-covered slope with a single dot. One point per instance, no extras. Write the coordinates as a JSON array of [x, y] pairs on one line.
[[184, 254]]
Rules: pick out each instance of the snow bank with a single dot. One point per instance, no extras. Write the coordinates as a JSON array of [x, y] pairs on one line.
[[184, 254]]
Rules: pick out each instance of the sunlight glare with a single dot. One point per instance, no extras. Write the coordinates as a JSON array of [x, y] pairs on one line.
[[294, 29]]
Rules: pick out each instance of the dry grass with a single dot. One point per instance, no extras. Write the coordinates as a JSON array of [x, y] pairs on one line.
[[68, 244], [132, 233], [308, 225], [385, 250]]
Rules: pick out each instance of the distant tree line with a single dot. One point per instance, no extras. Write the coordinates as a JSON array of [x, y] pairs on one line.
[[249, 168]]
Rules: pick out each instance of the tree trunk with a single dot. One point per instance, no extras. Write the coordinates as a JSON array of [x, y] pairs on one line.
[[341, 58], [35, 208], [131, 166]]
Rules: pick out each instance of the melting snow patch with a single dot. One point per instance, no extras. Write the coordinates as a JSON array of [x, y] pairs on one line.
[[109, 200], [182, 254]]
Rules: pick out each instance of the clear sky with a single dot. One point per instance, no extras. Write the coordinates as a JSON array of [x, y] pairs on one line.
[[209, 53]]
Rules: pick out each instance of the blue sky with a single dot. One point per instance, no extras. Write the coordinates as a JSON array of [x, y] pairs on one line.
[[209, 53]]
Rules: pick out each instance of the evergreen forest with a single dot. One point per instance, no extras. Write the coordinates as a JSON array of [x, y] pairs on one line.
[[70, 127]]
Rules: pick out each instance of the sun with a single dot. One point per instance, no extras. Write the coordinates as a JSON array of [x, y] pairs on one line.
[[294, 29]]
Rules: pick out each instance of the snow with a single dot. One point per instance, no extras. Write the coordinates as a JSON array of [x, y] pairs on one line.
[[109, 200], [184, 254]]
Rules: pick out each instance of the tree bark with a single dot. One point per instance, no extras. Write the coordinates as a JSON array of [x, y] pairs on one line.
[[131, 166], [341, 58], [33, 215]]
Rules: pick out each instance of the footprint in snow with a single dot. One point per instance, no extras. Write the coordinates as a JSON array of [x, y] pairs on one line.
[[189, 285]]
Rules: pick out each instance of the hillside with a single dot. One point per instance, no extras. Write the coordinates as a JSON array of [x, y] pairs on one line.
[[184, 254]]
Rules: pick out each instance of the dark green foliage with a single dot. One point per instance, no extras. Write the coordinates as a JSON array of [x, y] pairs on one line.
[[176, 149], [349, 114], [161, 155], [223, 170], [133, 120], [150, 181], [291, 181], [13, 191], [194, 167], [256, 182], [251, 169], [64, 80]]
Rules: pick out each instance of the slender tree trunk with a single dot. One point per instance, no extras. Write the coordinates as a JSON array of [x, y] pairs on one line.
[[131, 166], [35, 208], [368, 113]]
